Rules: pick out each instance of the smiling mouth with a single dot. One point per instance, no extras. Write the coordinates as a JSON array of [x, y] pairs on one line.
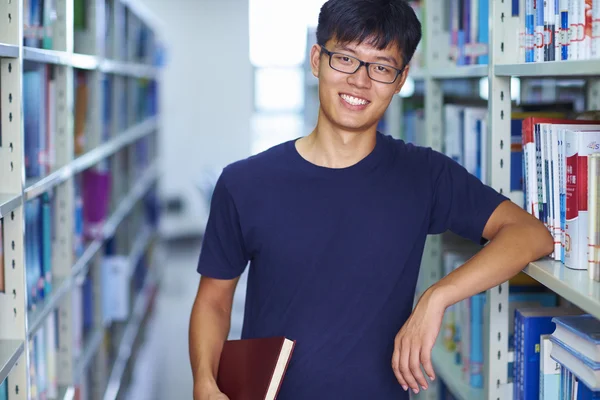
[[354, 101]]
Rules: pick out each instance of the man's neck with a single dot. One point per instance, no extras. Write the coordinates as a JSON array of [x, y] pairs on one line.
[[329, 147]]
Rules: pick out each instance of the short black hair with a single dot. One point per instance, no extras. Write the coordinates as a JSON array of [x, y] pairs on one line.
[[382, 22]]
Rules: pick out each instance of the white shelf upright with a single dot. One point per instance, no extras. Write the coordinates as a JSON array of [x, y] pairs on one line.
[[13, 302]]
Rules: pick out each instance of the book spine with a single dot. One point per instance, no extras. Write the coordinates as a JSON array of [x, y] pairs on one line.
[[572, 211], [539, 29], [564, 29], [593, 199], [595, 29], [572, 30], [529, 31], [586, 28]]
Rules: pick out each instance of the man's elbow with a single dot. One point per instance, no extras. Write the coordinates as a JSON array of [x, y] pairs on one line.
[[542, 242]]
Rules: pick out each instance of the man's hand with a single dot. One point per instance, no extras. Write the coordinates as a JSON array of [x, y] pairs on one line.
[[414, 343], [209, 392]]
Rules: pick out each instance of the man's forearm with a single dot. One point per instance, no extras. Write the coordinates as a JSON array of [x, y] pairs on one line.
[[504, 257], [209, 327]]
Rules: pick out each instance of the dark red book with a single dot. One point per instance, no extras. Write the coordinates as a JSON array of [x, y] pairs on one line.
[[253, 369]]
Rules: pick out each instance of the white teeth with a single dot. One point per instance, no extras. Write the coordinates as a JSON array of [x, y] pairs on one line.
[[353, 100]]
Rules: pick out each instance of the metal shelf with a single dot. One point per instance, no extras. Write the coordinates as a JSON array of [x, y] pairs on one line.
[[88, 62], [129, 69], [9, 202], [46, 56], [142, 303], [41, 185], [84, 61], [114, 145], [551, 69], [90, 349], [37, 318], [449, 372], [458, 72], [573, 285], [10, 352], [9, 51], [37, 186], [80, 268], [139, 249]]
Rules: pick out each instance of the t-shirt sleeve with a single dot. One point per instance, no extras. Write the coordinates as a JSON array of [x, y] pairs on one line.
[[223, 254], [461, 202]]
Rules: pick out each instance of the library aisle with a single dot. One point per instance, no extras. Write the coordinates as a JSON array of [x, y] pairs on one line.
[[170, 325]]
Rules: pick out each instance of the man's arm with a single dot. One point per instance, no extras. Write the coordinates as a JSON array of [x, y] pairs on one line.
[[516, 238], [209, 327]]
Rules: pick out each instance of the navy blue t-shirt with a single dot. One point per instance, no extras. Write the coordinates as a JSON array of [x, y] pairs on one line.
[[334, 254]]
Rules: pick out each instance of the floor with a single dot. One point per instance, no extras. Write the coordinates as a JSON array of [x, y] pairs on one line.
[[165, 354]]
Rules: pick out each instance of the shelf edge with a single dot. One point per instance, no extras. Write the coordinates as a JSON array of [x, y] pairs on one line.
[[19, 348]]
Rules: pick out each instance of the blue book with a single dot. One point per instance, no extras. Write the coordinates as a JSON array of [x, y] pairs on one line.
[[4, 390], [579, 366], [516, 155], [529, 31], [483, 33], [581, 333], [533, 323], [564, 29]]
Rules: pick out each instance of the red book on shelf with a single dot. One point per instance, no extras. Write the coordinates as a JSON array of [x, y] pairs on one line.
[[253, 369]]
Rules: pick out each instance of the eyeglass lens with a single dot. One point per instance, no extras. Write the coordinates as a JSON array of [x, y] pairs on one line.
[[378, 72]]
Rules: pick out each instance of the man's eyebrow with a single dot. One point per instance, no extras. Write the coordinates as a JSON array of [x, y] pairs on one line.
[[389, 60]]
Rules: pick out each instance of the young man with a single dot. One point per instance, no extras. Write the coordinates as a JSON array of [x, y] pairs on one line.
[[333, 225]]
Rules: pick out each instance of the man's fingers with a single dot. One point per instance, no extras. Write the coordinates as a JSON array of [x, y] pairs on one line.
[[396, 366], [415, 366], [426, 362], [405, 352]]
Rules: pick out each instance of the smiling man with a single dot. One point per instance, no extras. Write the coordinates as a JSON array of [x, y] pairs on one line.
[[333, 227]]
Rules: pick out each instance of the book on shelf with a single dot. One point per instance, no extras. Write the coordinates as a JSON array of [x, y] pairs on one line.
[[463, 323], [467, 23], [557, 30], [593, 233], [251, 369], [4, 390], [575, 347], [549, 370], [555, 152], [530, 324]]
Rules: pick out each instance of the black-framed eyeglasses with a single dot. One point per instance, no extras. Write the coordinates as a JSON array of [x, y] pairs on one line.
[[349, 65]]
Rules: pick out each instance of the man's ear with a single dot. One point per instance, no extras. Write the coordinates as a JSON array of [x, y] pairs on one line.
[[402, 79], [315, 59]]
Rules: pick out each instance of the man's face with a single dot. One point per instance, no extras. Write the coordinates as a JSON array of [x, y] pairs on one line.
[[355, 102]]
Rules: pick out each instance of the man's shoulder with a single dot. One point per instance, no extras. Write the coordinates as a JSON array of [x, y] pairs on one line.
[[258, 165], [413, 154]]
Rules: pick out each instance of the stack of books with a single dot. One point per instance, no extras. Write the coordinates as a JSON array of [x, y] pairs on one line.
[[576, 348]]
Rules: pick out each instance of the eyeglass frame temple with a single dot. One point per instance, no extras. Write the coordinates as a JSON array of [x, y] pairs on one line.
[[361, 63]]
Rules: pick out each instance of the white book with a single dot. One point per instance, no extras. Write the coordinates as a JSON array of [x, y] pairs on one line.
[[453, 126], [544, 171], [579, 144], [586, 372], [595, 42], [115, 287], [573, 21], [549, 370], [580, 333], [555, 190], [471, 116], [559, 187]]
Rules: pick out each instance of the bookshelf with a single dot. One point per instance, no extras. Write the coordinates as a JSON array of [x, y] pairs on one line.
[[79, 124], [505, 62]]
